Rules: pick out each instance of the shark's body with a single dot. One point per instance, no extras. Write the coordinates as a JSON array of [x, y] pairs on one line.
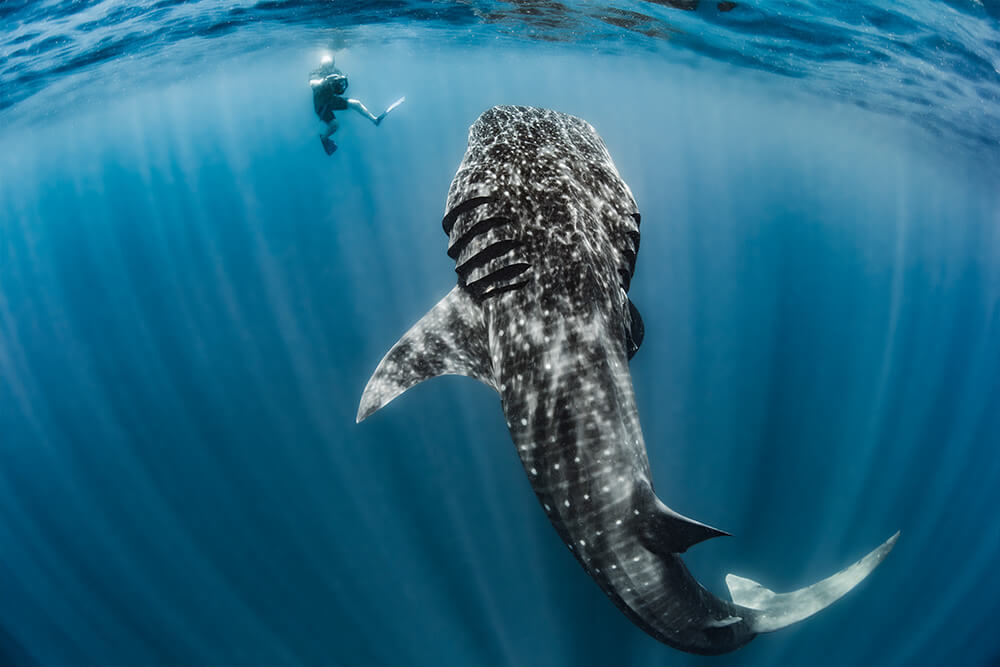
[[545, 235]]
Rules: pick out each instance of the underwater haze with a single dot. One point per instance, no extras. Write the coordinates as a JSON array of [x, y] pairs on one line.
[[193, 296]]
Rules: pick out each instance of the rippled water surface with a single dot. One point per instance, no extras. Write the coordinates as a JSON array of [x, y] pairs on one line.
[[935, 62], [192, 297]]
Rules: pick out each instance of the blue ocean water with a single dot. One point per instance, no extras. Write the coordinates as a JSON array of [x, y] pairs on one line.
[[192, 297]]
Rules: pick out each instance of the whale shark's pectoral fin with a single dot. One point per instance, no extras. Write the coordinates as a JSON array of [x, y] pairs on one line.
[[777, 610], [664, 531], [448, 340], [635, 331]]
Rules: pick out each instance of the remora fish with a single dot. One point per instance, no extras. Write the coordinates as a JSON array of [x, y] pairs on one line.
[[545, 234]]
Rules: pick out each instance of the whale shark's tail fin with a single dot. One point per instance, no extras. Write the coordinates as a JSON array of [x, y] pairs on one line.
[[778, 610], [449, 340]]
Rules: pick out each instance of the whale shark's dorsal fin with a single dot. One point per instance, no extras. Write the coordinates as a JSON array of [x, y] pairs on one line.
[[448, 340], [778, 610]]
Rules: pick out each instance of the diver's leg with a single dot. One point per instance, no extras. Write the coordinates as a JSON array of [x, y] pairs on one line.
[[331, 127], [363, 110], [324, 137]]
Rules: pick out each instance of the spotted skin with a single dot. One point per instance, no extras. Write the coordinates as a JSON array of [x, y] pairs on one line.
[[545, 234]]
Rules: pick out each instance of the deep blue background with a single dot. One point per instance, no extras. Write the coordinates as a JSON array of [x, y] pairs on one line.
[[192, 297]]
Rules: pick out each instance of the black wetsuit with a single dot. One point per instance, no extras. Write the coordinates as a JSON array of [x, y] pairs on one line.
[[328, 95]]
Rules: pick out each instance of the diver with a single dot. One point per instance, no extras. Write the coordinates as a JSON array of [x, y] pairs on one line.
[[329, 85]]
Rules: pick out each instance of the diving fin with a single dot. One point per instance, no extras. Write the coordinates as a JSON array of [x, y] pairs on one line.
[[449, 340], [328, 145], [777, 610], [381, 116]]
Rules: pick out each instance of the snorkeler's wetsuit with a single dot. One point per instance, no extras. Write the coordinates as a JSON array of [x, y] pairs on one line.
[[328, 95]]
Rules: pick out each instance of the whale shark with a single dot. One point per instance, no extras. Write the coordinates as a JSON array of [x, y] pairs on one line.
[[545, 234]]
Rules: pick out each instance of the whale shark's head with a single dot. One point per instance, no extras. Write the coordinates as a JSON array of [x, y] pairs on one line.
[[541, 186], [543, 160]]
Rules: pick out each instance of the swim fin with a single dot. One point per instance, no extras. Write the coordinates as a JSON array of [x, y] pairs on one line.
[[328, 145], [389, 108]]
